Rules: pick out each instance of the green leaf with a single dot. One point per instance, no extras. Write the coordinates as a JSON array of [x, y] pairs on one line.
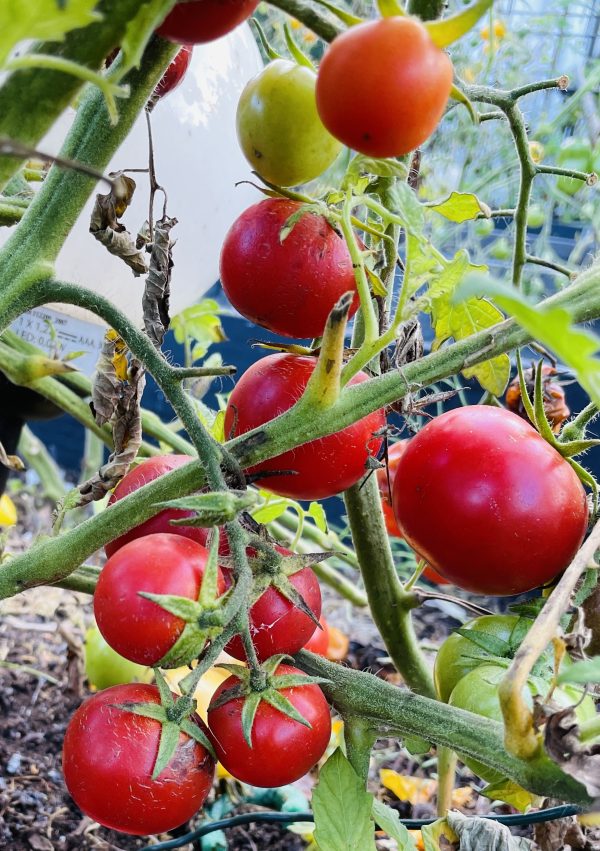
[[43, 20], [422, 266], [199, 323], [271, 511], [460, 207], [381, 167], [448, 30], [416, 745], [342, 808], [406, 205], [169, 739], [550, 326], [582, 672], [511, 793], [317, 512], [389, 821], [150, 15]]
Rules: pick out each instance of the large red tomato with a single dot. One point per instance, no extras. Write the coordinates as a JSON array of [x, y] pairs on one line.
[[283, 749], [108, 759], [288, 286], [394, 452], [323, 467], [382, 86], [147, 471], [488, 503], [204, 20], [137, 628]]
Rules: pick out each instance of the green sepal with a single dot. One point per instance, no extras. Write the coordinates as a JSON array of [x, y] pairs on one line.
[[264, 41], [164, 691], [576, 447], [390, 9], [459, 96], [285, 587], [271, 664], [195, 732], [229, 694], [529, 409], [277, 700], [343, 15], [446, 31], [249, 710], [211, 509], [188, 646], [182, 607], [541, 420], [147, 710], [240, 671], [209, 588], [169, 739], [297, 54]]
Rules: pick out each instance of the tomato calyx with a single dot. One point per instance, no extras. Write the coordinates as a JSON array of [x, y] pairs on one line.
[[175, 715], [263, 684], [211, 509]]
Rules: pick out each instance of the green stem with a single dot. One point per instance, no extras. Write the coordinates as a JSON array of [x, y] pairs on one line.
[[359, 738], [389, 603], [550, 264], [446, 775], [11, 212], [324, 26], [84, 579], [38, 458]]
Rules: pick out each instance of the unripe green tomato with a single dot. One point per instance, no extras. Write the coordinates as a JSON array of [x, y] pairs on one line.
[[501, 250], [104, 667], [478, 692], [536, 216], [577, 155], [279, 129], [484, 227]]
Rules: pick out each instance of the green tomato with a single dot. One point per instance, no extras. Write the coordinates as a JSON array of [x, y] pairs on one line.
[[279, 129], [484, 227], [501, 250], [459, 655], [478, 692], [104, 667], [577, 155], [536, 216]]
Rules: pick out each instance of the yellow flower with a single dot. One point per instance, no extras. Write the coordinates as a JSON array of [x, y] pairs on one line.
[[8, 512]]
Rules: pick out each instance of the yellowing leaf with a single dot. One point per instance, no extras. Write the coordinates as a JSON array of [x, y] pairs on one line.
[[8, 512], [418, 839], [460, 207], [511, 793], [415, 790], [433, 833]]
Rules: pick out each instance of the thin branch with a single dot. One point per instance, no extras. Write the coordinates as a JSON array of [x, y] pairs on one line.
[[550, 264], [561, 83], [181, 372], [10, 148]]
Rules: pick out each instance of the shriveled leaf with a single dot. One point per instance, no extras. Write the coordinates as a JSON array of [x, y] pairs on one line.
[[561, 740], [111, 371], [44, 20], [13, 462], [155, 301], [342, 808], [138, 31], [107, 229], [446, 31], [511, 793], [551, 326], [389, 821], [581, 672], [460, 207], [478, 833]]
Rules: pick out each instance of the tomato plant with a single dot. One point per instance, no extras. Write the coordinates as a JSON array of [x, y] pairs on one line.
[[323, 467], [283, 749], [108, 761], [488, 503], [199, 22], [382, 86], [278, 126], [147, 471], [138, 628], [289, 283]]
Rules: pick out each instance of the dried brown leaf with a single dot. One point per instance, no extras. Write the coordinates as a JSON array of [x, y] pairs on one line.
[[107, 229], [107, 381], [13, 462], [475, 834], [155, 302], [561, 739]]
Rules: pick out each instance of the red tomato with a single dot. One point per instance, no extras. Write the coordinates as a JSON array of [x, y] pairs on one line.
[[108, 759], [139, 629], [395, 450], [174, 73], [276, 625], [488, 503], [319, 640], [323, 467], [382, 86], [283, 750], [147, 471], [286, 286], [204, 20]]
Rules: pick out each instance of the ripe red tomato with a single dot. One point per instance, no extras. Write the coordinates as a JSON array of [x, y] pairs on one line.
[[382, 86], [276, 625], [108, 759], [395, 450], [283, 750], [147, 471], [139, 629], [319, 640], [488, 503], [286, 286], [174, 73], [204, 20], [323, 467]]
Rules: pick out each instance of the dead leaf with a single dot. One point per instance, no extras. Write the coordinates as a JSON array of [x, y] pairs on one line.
[[561, 740], [108, 377], [13, 462], [107, 229], [475, 834], [155, 302]]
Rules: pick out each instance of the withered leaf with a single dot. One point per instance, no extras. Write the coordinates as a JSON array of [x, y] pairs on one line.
[[107, 229], [561, 740], [109, 376], [475, 834], [155, 302], [13, 462]]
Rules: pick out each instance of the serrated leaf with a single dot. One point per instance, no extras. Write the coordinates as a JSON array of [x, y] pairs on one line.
[[511, 793], [551, 326], [149, 16], [389, 821], [490, 643], [169, 739], [431, 834], [44, 20], [406, 205], [584, 672], [422, 266], [317, 512], [342, 808], [459, 207], [446, 31]]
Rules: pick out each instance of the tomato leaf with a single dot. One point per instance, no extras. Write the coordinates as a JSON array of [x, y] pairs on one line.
[[551, 326], [448, 30], [362, 164], [511, 793], [581, 672], [342, 808], [389, 821], [44, 20], [317, 512], [432, 834], [459, 207], [404, 202], [478, 833]]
